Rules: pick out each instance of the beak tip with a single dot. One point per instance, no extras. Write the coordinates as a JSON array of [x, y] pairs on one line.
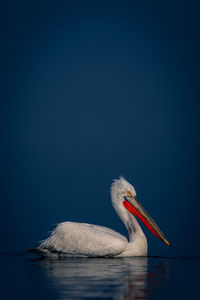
[[167, 243]]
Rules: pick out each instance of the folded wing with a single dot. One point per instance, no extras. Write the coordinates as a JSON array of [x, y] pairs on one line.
[[80, 239]]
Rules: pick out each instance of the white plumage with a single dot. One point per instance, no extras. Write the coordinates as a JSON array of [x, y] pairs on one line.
[[71, 239], [79, 239]]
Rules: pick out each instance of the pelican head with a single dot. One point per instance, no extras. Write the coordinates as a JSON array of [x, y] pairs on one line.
[[124, 194]]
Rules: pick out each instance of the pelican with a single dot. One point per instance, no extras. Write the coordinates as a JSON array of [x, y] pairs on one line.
[[71, 239]]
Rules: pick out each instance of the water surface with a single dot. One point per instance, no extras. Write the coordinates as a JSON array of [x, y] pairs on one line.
[[98, 278]]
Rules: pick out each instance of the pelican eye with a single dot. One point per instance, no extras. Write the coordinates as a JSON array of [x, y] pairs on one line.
[[129, 194]]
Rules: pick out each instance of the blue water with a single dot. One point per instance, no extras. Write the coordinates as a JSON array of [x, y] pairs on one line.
[[99, 278]]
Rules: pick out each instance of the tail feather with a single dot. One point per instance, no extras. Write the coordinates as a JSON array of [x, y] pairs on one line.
[[37, 251]]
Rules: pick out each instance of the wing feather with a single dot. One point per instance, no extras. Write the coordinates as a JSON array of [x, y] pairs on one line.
[[80, 239]]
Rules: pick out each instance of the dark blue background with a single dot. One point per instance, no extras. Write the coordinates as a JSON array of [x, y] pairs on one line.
[[92, 90]]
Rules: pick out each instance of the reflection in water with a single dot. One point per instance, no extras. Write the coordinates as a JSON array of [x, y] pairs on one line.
[[123, 278]]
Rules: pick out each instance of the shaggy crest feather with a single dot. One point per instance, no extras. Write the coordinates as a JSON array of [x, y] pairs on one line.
[[121, 185]]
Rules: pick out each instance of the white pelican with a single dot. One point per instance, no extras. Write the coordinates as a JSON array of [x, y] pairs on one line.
[[71, 239]]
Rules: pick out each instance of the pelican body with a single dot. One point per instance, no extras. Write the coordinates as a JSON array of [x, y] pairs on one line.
[[71, 239]]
